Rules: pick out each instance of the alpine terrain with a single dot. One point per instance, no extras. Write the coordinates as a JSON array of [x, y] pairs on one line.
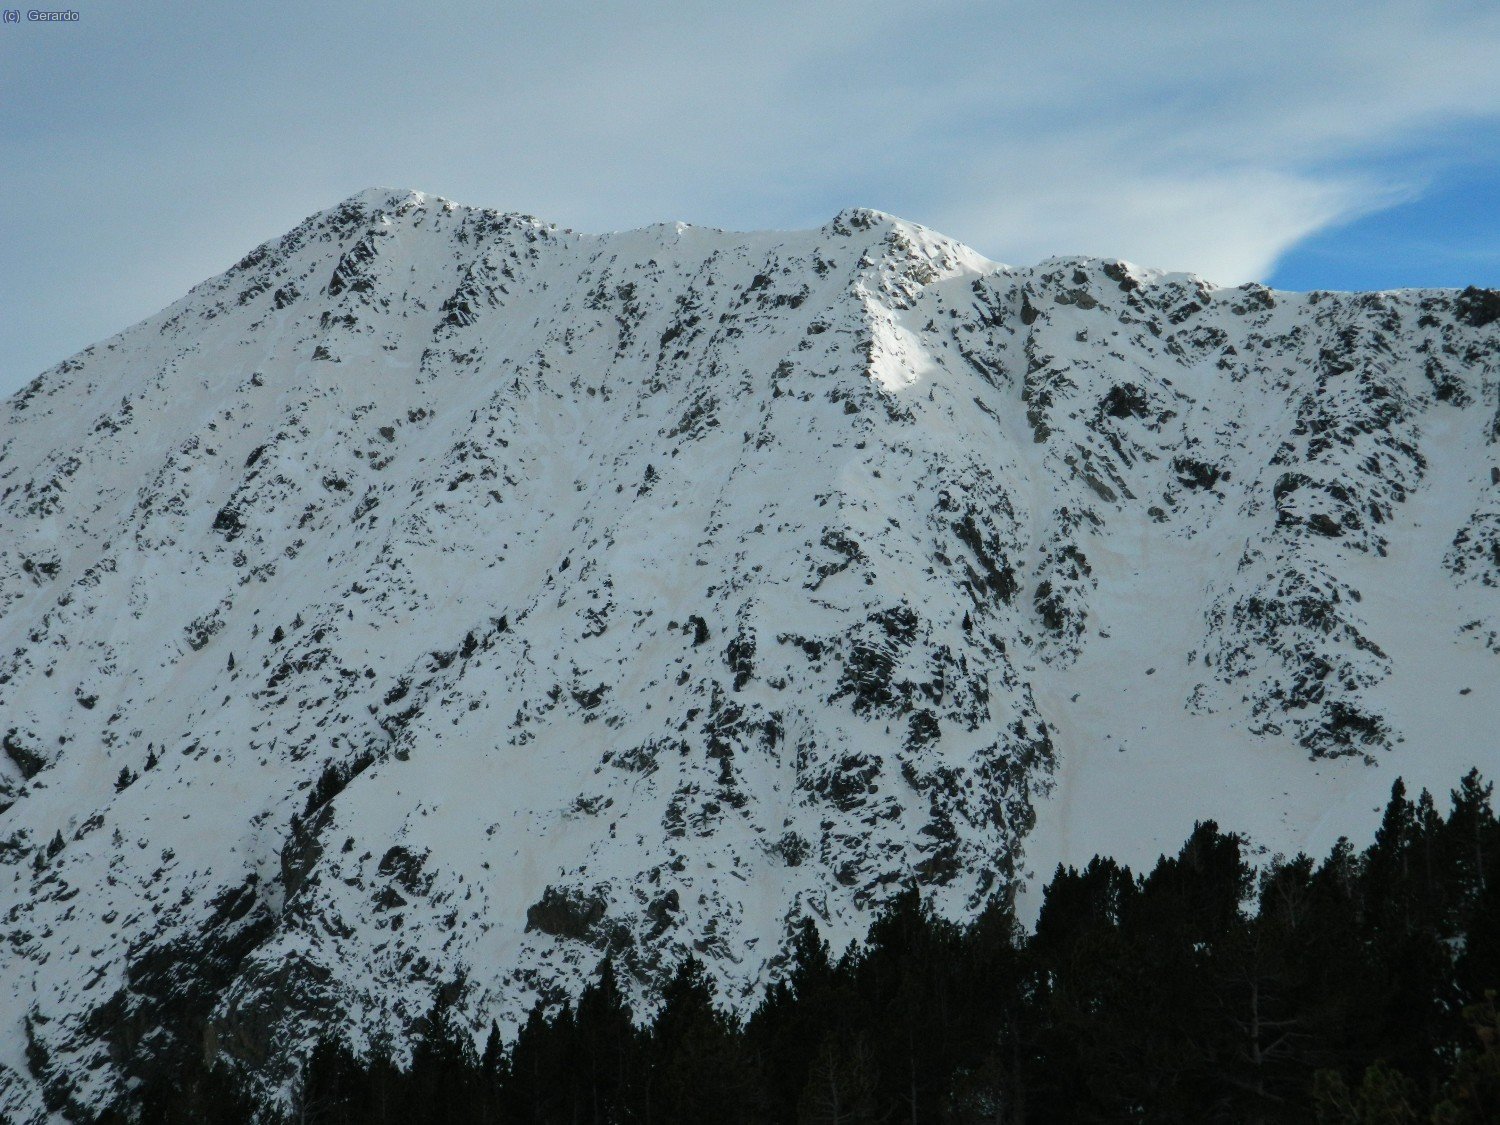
[[439, 600]]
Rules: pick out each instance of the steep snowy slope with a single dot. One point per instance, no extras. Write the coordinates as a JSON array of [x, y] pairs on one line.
[[440, 599]]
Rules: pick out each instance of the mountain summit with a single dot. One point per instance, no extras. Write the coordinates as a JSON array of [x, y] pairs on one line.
[[439, 600]]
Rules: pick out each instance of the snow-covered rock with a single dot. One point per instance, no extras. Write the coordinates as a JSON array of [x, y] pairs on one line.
[[442, 599]]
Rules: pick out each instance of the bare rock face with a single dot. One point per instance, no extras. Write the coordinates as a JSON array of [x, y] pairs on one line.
[[440, 600]]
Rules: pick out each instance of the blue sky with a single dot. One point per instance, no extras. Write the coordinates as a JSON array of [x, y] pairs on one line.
[[1311, 144], [1447, 234]]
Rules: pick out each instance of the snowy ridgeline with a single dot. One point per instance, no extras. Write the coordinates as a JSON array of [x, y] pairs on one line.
[[441, 599]]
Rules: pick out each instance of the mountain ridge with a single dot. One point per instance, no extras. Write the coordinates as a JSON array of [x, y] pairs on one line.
[[438, 596]]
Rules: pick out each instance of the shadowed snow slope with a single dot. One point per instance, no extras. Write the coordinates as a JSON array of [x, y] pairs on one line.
[[441, 599]]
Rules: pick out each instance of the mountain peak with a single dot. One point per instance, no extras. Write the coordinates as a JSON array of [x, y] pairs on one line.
[[441, 600]]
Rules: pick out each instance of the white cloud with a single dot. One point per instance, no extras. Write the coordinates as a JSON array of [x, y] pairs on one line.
[[1229, 228], [1207, 140]]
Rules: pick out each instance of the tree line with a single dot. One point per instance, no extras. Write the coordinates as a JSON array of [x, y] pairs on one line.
[[1352, 991]]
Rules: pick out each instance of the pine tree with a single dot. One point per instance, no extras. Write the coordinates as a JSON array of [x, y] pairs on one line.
[[607, 1048], [795, 1017], [443, 1066], [331, 1086], [1468, 835], [539, 1075], [491, 1073], [698, 1068], [1407, 972]]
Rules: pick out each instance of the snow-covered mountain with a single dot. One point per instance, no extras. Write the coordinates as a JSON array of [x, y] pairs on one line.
[[439, 599]]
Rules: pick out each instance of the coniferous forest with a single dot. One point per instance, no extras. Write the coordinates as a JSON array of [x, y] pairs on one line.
[[1359, 988]]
